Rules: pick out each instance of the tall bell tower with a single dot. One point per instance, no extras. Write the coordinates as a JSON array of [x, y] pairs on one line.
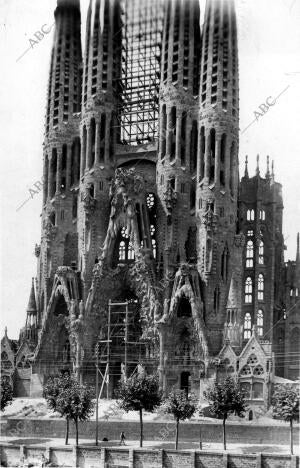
[[217, 170]]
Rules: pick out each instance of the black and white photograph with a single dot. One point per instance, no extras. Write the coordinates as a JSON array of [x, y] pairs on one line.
[[150, 233]]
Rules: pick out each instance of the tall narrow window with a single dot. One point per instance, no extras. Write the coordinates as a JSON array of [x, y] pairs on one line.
[[248, 290], [260, 322], [212, 155], [130, 251], [92, 142], [194, 143], [247, 326], [260, 287], [262, 215], [122, 250], [222, 159], [202, 152], [163, 132], [172, 133], [250, 215], [232, 168], [261, 253], [249, 254], [183, 135]]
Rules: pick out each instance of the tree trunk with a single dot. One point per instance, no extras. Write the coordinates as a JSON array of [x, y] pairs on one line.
[[67, 432], [200, 437], [141, 428], [177, 431], [224, 432], [291, 437], [76, 427]]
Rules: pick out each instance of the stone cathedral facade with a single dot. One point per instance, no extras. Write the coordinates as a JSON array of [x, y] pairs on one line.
[[151, 246]]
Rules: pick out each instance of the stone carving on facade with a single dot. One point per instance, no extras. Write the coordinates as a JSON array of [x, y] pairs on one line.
[[50, 230], [37, 250], [209, 219], [89, 202], [187, 285], [239, 240], [170, 198]]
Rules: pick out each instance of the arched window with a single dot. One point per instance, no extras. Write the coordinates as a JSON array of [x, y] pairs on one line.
[[126, 249], [250, 215], [261, 250], [248, 290], [130, 251], [154, 247], [249, 254], [260, 322], [247, 326], [260, 287], [122, 251], [262, 215]]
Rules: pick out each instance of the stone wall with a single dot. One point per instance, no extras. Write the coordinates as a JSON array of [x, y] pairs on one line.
[[89, 457], [160, 431]]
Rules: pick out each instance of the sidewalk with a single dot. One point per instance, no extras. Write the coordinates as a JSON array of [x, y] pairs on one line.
[[231, 447]]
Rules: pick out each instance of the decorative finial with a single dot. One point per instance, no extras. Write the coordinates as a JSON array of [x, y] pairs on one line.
[[298, 248], [246, 166], [5, 331], [257, 165], [272, 170], [268, 168]]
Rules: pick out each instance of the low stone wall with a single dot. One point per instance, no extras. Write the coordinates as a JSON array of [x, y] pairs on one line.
[[92, 457], [163, 431]]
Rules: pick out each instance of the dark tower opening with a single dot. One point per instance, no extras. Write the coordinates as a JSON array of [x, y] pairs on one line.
[[184, 308], [61, 307]]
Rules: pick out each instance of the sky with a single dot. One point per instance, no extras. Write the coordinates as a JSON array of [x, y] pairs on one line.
[[269, 66]]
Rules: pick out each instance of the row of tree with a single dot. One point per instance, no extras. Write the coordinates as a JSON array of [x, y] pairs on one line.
[[141, 392]]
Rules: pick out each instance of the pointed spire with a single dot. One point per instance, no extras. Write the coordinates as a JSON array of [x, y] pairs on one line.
[[5, 332], [298, 249], [257, 165], [31, 308], [246, 174], [268, 168]]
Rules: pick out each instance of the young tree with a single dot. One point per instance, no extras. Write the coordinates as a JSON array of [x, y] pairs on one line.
[[6, 393], [286, 407], [137, 393], [52, 389], [181, 406], [226, 398], [70, 399]]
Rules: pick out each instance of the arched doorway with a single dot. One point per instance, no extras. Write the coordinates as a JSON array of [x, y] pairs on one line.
[[185, 382]]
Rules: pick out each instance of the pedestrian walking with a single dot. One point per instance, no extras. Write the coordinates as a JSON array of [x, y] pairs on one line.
[[122, 438]]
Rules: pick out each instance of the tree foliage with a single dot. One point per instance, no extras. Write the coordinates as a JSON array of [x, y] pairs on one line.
[[286, 407], [6, 393], [181, 406], [285, 403], [71, 400], [226, 398], [137, 393]]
